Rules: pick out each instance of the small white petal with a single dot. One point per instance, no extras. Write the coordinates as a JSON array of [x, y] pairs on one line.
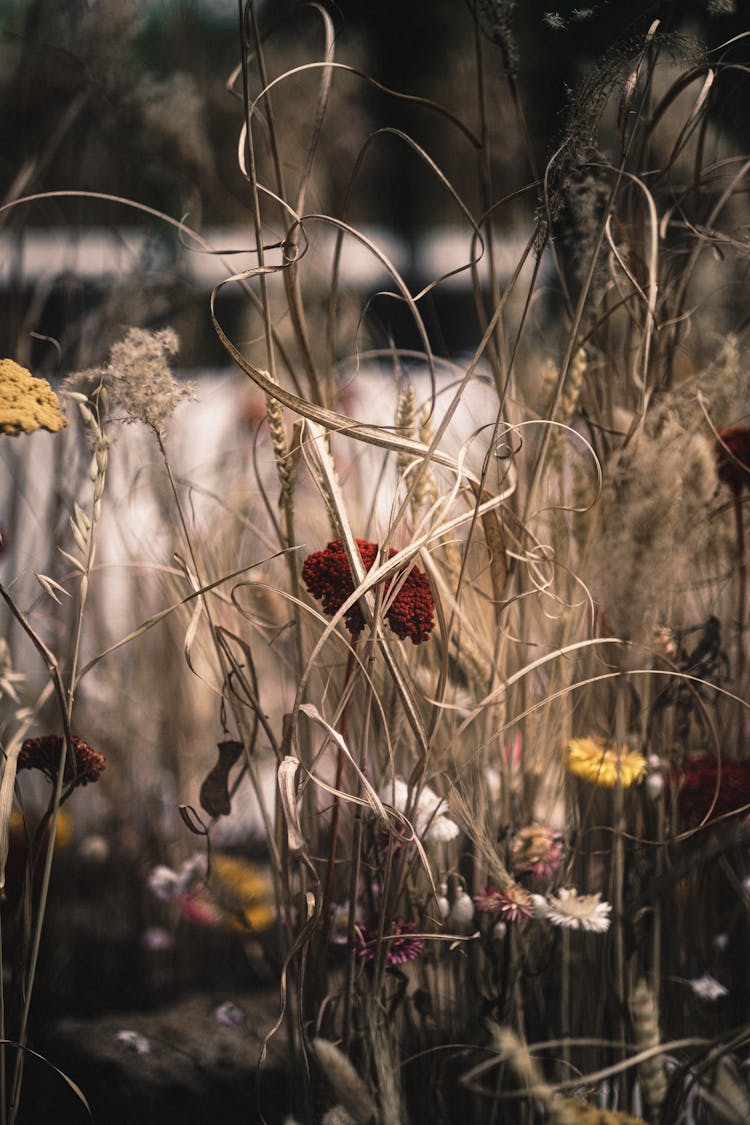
[[441, 830], [708, 987], [134, 1041], [541, 906], [164, 883]]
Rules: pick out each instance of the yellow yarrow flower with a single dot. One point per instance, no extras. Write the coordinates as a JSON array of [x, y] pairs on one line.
[[26, 403], [594, 761]]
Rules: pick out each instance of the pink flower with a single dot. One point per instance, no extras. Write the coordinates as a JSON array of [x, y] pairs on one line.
[[535, 851], [517, 904], [488, 901], [402, 944], [512, 903]]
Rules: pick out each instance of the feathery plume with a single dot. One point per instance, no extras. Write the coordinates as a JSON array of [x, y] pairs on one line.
[[347, 1085], [651, 1073]]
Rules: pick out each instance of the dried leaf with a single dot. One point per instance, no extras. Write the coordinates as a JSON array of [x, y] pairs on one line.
[[287, 781], [214, 793], [492, 527]]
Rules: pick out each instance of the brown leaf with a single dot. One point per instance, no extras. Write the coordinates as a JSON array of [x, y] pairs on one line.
[[214, 795]]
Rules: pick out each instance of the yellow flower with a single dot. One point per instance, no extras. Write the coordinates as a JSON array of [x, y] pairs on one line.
[[242, 893], [585, 1114], [26, 403], [593, 760]]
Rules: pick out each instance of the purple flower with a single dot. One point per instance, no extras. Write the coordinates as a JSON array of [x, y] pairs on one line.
[[402, 943]]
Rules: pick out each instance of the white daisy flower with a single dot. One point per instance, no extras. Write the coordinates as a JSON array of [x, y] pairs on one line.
[[579, 912]]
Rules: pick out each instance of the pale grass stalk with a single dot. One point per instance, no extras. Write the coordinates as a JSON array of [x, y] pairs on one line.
[[618, 876], [86, 542]]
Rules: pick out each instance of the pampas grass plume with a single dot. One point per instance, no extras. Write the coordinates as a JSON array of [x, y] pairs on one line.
[[347, 1085], [646, 1028]]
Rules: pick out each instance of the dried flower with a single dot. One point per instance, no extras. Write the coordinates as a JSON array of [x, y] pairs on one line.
[[236, 895], [26, 403], [339, 933], [402, 944], [44, 754], [430, 820], [512, 903], [328, 578], [462, 911], [134, 1041], [488, 901], [167, 884], [516, 904], [708, 987], [536, 851], [702, 778], [578, 912], [582, 1113], [443, 904], [733, 457], [593, 760], [337, 1115], [139, 379], [230, 1014]]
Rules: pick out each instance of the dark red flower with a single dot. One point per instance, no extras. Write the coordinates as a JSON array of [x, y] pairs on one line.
[[402, 944], [700, 780], [44, 754], [328, 578], [734, 466]]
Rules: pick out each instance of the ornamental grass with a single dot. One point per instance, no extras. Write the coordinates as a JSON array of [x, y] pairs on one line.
[[415, 640]]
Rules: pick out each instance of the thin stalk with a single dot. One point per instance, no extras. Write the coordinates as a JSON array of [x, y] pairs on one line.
[[37, 935], [3, 1037], [741, 603], [335, 816], [253, 179], [618, 878], [565, 1001], [65, 753]]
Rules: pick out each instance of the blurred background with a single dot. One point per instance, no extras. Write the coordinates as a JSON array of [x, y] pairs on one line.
[[130, 98]]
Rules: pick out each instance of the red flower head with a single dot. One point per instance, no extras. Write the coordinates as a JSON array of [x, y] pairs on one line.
[[402, 944], [44, 754], [329, 579], [734, 470], [699, 782]]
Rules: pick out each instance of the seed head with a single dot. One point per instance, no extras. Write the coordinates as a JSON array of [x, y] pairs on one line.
[[328, 578], [44, 754]]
